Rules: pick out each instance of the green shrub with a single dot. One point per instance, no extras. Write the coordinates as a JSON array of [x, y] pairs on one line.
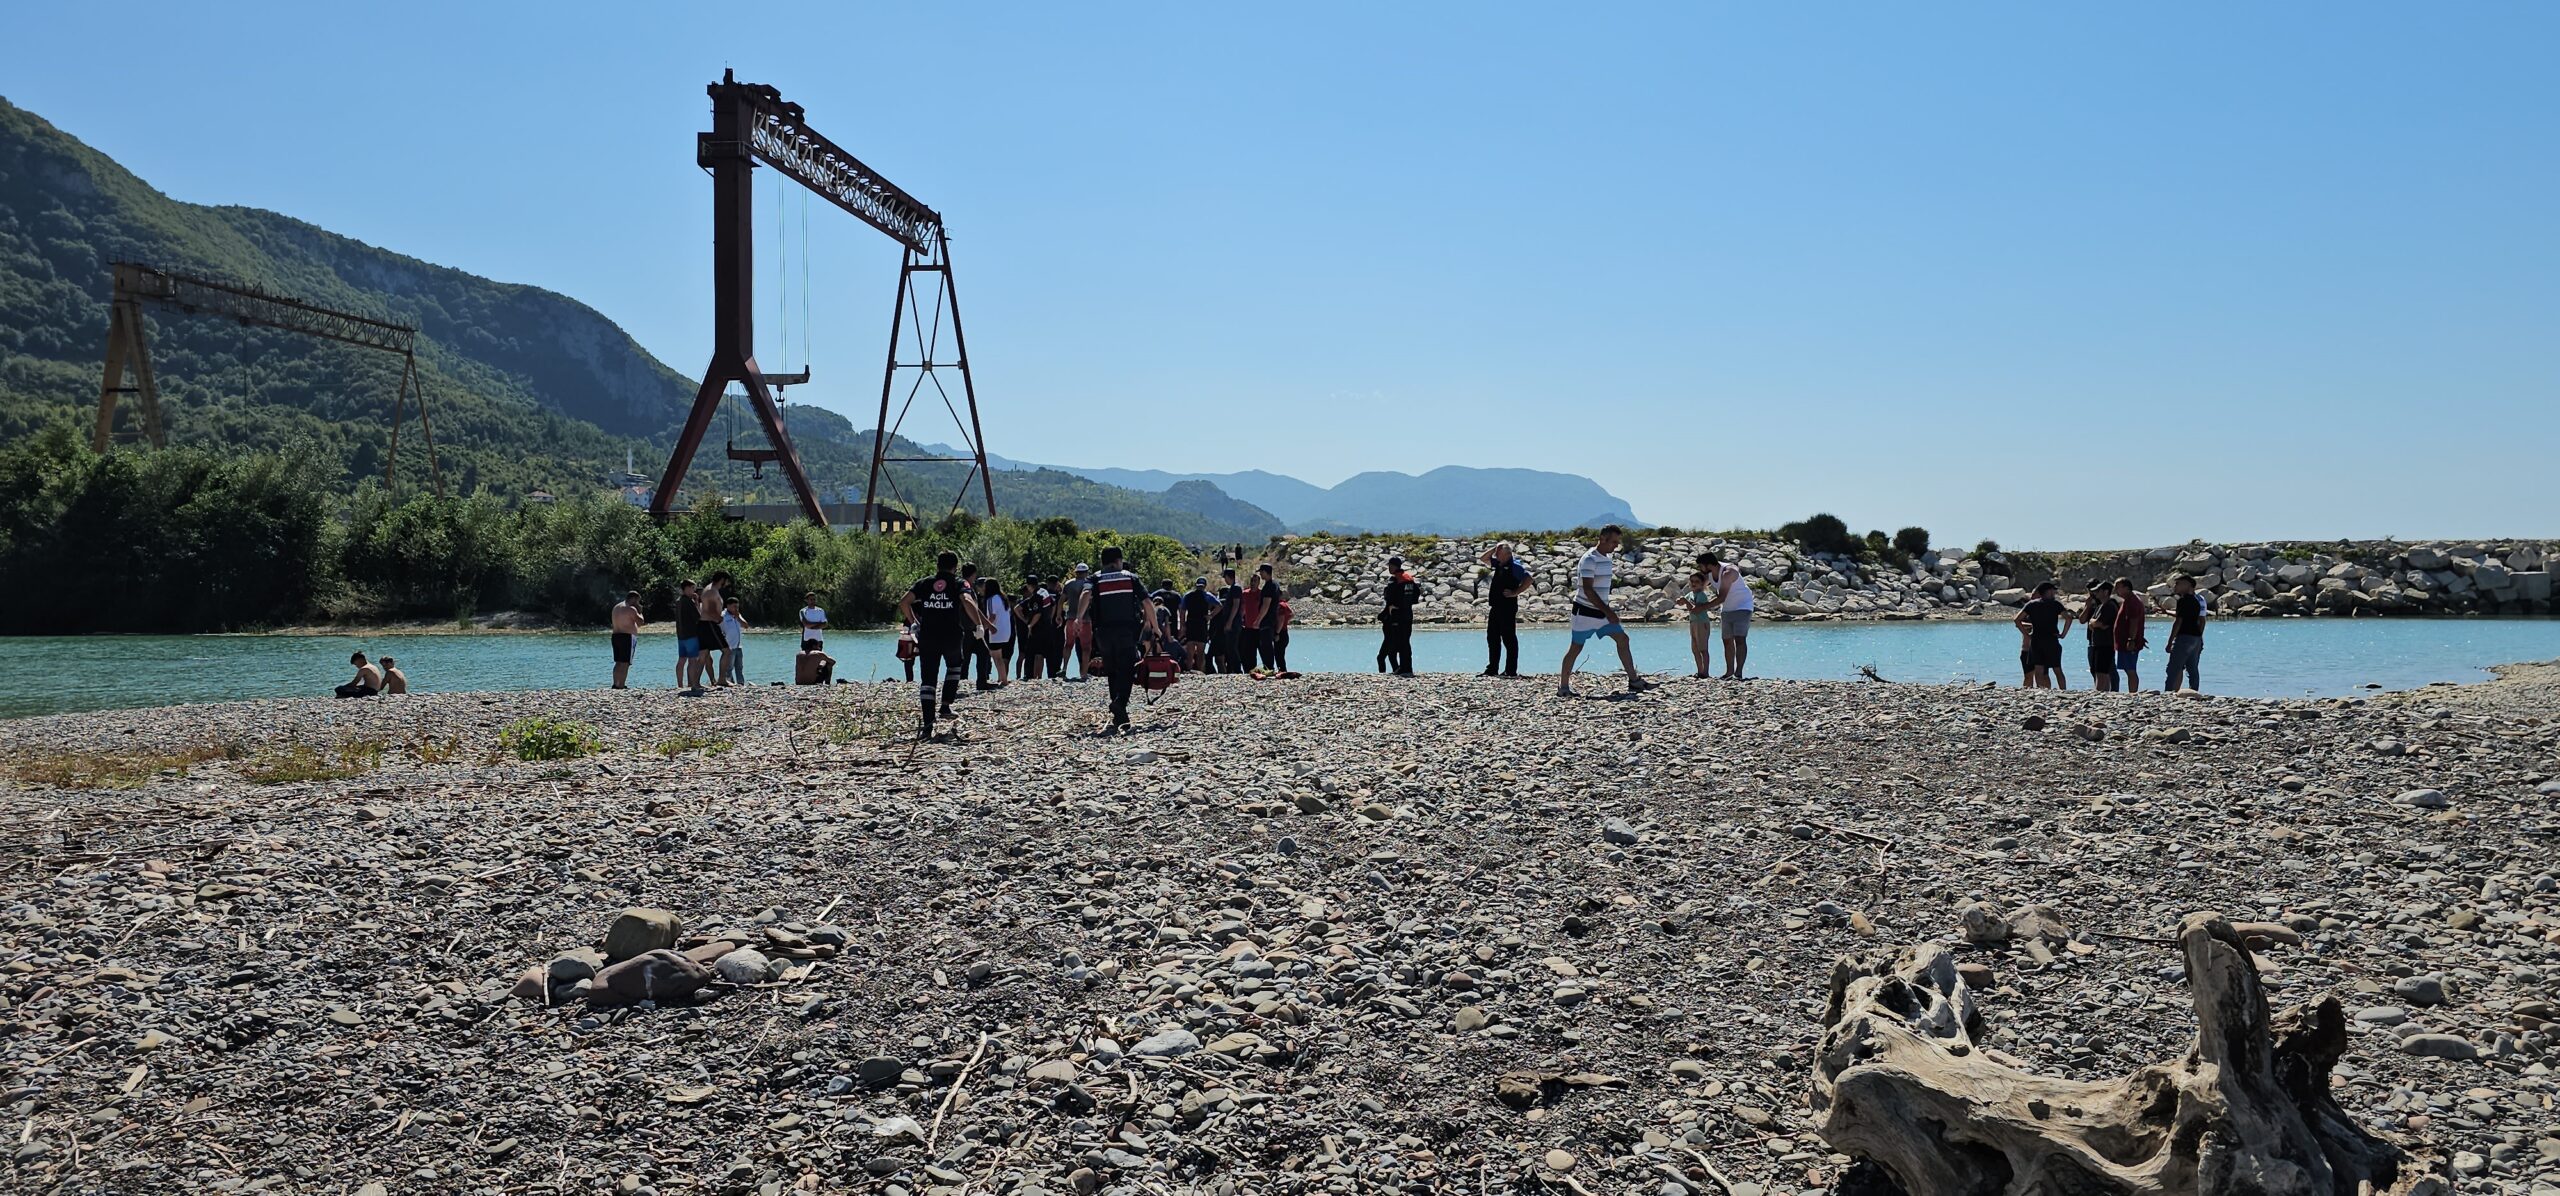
[[1986, 547], [1912, 541], [302, 762], [1822, 533], [542, 737]]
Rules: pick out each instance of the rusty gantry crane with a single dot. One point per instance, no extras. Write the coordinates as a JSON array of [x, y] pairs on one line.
[[128, 345], [750, 123]]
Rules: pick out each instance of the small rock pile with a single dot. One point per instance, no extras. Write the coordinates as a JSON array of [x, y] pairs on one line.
[[647, 959]]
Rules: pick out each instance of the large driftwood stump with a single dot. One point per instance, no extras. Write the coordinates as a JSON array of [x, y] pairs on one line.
[[1901, 1086]]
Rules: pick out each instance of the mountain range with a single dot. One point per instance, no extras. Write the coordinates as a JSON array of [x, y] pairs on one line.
[[531, 389], [1453, 500]]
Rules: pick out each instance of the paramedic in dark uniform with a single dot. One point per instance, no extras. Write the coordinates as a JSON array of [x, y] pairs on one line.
[[943, 612], [1120, 610]]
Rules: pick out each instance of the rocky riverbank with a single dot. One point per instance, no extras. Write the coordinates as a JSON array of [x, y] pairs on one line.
[[1347, 934], [1338, 580]]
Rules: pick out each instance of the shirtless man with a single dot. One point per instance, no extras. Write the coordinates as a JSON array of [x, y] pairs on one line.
[[708, 608], [368, 680], [393, 680], [626, 635]]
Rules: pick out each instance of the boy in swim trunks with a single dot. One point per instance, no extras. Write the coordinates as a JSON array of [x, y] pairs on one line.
[[626, 633]]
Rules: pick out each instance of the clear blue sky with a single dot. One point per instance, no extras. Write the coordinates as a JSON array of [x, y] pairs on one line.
[[2065, 276]]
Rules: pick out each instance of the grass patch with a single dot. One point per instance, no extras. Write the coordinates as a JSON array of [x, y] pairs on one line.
[[690, 741], [303, 762], [545, 738], [430, 750], [864, 718], [114, 770]]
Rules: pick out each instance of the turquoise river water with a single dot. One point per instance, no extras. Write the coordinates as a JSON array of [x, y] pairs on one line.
[[2253, 658]]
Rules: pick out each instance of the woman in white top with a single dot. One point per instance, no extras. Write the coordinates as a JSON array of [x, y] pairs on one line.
[[999, 612]]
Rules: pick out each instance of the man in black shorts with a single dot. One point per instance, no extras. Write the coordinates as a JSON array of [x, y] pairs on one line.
[[626, 631], [2098, 615], [1120, 610], [2043, 620], [1199, 612], [1222, 634], [944, 613]]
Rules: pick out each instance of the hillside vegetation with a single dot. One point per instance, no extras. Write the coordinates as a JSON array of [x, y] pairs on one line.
[[191, 540], [529, 389]]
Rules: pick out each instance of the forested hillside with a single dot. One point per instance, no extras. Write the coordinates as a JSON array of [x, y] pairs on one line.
[[529, 389]]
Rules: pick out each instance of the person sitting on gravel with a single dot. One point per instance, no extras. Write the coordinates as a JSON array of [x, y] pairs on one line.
[[814, 667], [1593, 616], [393, 680], [368, 680]]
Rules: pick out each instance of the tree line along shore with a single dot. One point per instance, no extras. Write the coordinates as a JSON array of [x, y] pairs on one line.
[[187, 540]]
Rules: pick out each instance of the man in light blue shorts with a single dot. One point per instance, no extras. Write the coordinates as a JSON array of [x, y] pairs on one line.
[[1592, 614]]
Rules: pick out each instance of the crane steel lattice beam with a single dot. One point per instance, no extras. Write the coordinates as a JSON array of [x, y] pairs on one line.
[[249, 305], [751, 123], [135, 284]]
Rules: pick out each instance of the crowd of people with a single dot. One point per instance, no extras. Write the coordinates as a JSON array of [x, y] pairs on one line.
[[2116, 623], [957, 623], [958, 628]]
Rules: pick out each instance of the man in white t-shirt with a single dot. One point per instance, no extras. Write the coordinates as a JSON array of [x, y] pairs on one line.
[[1592, 614], [813, 624], [1734, 608]]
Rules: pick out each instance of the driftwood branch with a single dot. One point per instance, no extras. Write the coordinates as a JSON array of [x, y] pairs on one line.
[[1901, 1085]]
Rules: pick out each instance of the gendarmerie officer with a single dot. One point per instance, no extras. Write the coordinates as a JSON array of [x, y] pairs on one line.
[[1121, 612]]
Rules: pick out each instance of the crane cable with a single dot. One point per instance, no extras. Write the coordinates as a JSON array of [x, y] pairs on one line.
[[781, 275], [804, 279]]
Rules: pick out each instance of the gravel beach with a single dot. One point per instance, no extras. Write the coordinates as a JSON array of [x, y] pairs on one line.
[[1342, 934]]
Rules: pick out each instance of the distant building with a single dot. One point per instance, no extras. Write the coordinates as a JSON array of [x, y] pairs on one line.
[[541, 498], [629, 477]]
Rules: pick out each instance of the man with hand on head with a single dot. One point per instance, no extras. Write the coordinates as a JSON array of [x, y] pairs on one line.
[[1395, 621], [1507, 580]]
